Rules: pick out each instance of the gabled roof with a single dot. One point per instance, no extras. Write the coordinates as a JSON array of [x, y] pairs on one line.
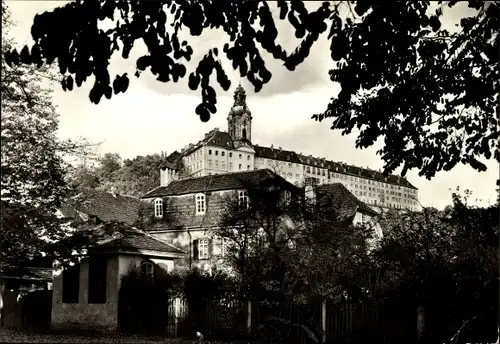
[[276, 153], [103, 205], [342, 199], [217, 182]]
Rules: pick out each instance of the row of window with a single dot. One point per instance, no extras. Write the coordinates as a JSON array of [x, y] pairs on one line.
[[223, 165], [200, 203], [222, 153]]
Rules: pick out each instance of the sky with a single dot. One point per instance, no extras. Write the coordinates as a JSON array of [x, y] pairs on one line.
[[152, 116]]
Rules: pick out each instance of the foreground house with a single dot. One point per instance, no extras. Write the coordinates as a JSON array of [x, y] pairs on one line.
[[85, 295], [185, 212]]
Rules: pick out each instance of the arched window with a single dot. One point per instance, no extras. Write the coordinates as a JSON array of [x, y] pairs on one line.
[[158, 207], [147, 268], [244, 134], [200, 204]]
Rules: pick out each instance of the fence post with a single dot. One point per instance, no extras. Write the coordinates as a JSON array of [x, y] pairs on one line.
[[323, 320], [177, 310], [249, 316], [420, 322]]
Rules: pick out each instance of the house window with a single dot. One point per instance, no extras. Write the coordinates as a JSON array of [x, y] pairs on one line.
[[216, 152], [222, 153], [203, 249], [209, 152], [97, 279], [147, 268], [223, 165], [158, 207], [209, 163], [216, 163], [248, 157], [230, 154], [248, 167], [200, 204], [240, 156], [243, 198], [230, 166], [239, 167], [71, 284]]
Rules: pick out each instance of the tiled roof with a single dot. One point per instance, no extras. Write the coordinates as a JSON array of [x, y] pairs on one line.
[[342, 199], [225, 181], [221, 139], [277, 154], [129, 238], [103, 205]]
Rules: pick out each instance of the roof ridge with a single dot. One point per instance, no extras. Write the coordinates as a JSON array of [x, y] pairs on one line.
[[156, 188]]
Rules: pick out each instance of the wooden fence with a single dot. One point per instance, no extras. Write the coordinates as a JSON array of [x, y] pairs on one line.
[[298, 323]]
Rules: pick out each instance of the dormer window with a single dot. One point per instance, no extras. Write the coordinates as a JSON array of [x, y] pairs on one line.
[[158, 207], [243, 198], [200, 204]]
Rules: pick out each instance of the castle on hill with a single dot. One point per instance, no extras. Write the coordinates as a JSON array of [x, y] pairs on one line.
[[232, 151]]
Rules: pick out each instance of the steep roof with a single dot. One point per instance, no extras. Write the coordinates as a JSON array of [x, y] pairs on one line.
[[277, 154], [225, 181], [338, 196], [221, 139], [133, 239], [103, 205]]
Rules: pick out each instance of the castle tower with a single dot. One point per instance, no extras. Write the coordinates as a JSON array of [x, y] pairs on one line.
[[239, 120]]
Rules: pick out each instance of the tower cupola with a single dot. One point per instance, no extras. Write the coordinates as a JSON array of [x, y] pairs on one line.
[[239, 120]]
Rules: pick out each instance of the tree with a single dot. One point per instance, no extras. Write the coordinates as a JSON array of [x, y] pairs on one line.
[[133, 177], [33, 179], [291, 249], [446, 261], [430, 94], [294, 248]]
